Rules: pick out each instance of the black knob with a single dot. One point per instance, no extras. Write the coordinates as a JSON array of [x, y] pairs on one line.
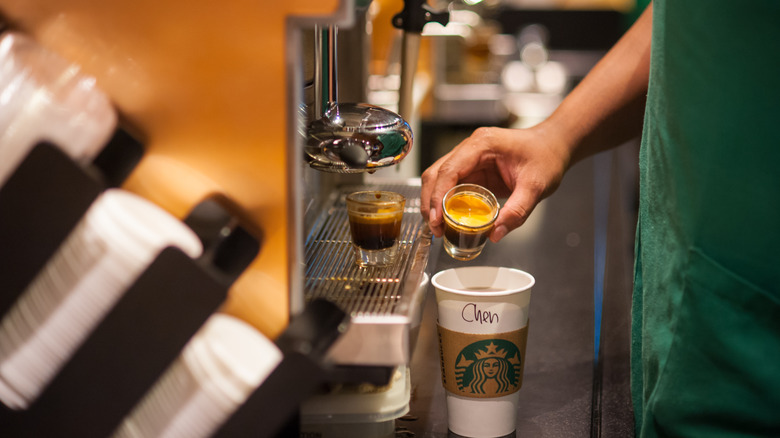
[[353, 154], [416, 14]]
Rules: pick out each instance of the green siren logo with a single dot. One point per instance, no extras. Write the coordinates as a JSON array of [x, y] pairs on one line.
[[489, 367]]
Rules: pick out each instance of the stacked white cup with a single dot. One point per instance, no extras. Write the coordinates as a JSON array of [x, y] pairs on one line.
[[119, 236], [45, 97], [218, 370]]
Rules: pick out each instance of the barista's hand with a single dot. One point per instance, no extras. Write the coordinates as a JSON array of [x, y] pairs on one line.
[[605, 110], [526, 165]]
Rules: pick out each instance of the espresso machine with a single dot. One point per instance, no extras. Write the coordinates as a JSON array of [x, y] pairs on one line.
[[385, 303], [243, 106]]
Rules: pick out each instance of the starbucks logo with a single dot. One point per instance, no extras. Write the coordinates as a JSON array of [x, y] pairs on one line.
[[489, 367]]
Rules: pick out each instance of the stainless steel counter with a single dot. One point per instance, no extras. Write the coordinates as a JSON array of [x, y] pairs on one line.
[[578, 244]]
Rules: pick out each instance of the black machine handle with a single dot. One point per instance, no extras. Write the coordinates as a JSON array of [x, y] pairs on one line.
[[416, 14]]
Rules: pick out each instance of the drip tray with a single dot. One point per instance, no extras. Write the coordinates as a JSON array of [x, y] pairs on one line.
[[384, 303]]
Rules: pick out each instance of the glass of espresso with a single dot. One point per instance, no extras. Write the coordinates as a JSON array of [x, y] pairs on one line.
[[375, 223], [469, 213]]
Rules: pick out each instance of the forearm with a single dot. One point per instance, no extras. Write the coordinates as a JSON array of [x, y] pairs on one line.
[[607, 107]]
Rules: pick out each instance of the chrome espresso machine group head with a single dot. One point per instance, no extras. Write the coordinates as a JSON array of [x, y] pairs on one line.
[[357, 137]]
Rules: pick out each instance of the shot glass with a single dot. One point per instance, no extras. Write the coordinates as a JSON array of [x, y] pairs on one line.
[[469, 214], [375, 224], [483, 330]]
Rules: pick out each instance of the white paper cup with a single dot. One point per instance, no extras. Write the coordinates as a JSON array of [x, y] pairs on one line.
[[119, 236], [483, 328]]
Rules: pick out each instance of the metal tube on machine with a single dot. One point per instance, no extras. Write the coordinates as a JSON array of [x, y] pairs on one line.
[[325, 71], [415, 15], [410, 50], [332, 67]]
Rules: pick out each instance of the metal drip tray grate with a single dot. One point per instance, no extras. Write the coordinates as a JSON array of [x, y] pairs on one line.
[[384, 302]]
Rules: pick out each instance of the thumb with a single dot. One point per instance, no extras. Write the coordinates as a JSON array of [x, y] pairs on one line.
[[514, 213]]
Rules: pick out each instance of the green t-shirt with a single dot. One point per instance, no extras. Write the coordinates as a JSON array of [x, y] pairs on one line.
[[706, 311]]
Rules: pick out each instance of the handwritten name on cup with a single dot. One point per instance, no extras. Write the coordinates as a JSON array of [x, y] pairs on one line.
[[472, 313]]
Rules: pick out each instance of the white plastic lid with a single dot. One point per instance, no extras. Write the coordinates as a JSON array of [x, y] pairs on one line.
[[138, 229], [234, 355], [78, 116]]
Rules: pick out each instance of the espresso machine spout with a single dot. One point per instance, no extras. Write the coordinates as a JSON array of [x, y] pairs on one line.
[[351, 137]]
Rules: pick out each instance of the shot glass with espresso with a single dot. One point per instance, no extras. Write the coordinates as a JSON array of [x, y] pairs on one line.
[[469, 213], [375, 224]]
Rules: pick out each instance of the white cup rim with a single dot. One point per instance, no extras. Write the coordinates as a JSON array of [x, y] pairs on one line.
[[230, 357], [139, 228], [436, 280]]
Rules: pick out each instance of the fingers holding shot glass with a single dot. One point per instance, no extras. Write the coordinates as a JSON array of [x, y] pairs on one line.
[[375, 218], [469, 214]]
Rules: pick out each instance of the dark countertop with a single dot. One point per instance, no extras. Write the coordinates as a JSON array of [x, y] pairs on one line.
[[583, 231]]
